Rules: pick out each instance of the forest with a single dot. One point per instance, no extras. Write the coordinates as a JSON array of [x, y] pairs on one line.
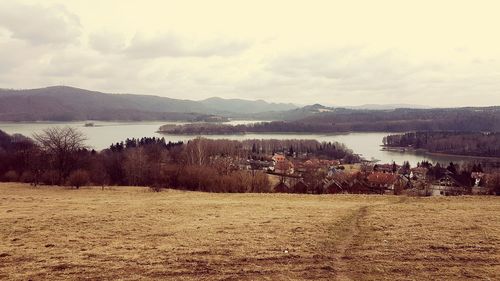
[[347, 120], [458, 143]]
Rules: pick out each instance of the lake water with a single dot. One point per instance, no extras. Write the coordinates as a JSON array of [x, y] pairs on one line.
[[105, 133]]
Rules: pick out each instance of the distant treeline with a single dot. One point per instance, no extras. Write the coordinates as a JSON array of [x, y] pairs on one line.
[[459, 143], [347, 120], [58, 156]]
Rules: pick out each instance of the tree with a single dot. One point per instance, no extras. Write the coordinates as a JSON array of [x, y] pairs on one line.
[[260, 182], [98, 174], [394, 167], [137, 167], [452, 168], [11, 176], [62, 145], [78, 178], [493, 183]]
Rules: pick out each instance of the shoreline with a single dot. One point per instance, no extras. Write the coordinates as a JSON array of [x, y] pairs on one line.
[[403, 149]]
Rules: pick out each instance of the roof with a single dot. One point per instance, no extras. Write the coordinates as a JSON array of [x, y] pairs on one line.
[[381, 178], [450, 178], [419, 170], [281, 187]]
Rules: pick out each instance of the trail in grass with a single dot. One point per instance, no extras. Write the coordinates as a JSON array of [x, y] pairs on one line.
[[350, 231]]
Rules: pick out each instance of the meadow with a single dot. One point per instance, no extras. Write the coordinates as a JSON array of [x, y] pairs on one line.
[[130, 233]]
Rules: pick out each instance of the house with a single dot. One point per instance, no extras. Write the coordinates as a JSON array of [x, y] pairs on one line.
[[352, 183], [278, 157], [360, 187], [300, 187], [258, 165], [479, 188], [382, 181], [282, 188], [333, 186], [386, 168], [447, 185], [477, 176], [284, 167], [418, 173], [281, 165]]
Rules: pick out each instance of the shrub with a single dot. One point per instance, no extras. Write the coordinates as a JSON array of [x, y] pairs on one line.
[[11, 176], [78, 178], [50, 177], [261, 182], [27, 177]]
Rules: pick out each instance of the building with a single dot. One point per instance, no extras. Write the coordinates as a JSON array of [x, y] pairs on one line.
[[418, 173], [300, 187], [447, 185], [382, 182], [281, 165], [282, 188]]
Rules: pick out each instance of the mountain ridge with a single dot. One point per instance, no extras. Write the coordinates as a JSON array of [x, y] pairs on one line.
[[64, 103]]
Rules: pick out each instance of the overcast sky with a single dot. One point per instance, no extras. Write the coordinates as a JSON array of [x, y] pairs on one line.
[[437, 53]]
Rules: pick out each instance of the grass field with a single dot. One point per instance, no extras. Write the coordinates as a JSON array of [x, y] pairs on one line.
[[51, 233]]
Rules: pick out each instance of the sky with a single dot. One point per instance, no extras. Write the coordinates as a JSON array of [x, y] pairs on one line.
[[433, 53]]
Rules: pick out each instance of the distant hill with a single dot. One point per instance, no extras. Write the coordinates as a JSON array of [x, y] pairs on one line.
[[321, 110], [320, 120], [244, 106], [295, 114], [387, 106], [62, 103]]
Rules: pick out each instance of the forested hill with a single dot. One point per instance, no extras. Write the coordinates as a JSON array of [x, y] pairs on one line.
[[241, 107], [348, 120], [460, 143], [61, 103], [471, 119]]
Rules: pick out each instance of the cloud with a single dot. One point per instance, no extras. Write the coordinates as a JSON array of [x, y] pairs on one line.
[[171, 45], [107, 42], [184, 53], [352, 70], [39, 24]]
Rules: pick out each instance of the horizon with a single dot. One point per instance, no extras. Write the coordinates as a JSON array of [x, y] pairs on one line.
[[357, 106], [331, 52]]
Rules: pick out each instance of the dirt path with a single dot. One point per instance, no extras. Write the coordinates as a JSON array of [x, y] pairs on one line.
[[351, 233]]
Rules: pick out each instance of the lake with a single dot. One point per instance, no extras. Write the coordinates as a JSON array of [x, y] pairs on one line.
[[105, 133]]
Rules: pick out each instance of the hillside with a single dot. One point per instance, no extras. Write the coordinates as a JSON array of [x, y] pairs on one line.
[[295, 113], [61, 103], [244, 106], [321, 119], [406, 119], [125, 233]]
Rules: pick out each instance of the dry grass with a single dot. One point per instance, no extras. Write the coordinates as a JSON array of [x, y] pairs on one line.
[[52, 233]]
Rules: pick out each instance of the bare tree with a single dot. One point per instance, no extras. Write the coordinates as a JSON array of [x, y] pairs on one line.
[[62, 145], [137, 167], [78, 178], [493, 183]]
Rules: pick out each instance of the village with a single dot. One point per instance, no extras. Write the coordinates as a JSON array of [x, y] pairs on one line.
[[306, 174]]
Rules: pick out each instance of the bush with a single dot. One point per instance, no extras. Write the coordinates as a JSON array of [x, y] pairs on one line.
[[78, 178], [11, 176], [50, 177], [261, 182], [27, 177]]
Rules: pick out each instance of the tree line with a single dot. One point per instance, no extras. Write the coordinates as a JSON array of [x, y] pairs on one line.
[[459, 143], [59, 156], [347, 120]]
